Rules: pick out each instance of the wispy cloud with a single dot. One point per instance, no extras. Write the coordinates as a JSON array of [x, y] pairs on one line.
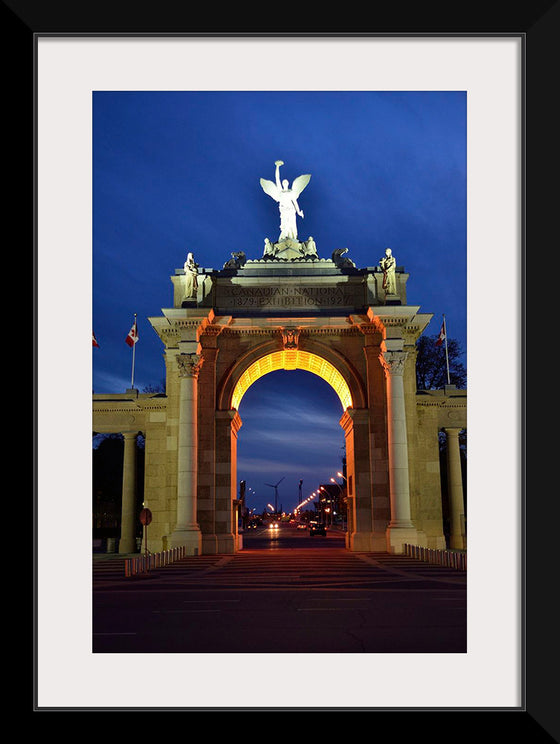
[[257, 465], [107, 381], [308, 441]]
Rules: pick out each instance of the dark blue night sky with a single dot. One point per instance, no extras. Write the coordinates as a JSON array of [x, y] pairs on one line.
[[175, 172]]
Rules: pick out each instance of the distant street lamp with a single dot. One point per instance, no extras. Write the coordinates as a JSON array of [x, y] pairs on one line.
[[323, 493], [341, 491]]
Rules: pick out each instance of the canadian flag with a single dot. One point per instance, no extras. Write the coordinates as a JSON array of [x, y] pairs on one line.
[[441, 337], [94, 339], [132, 337]]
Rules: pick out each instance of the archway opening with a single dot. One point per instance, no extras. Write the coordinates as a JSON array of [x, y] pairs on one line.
[[291, 444]]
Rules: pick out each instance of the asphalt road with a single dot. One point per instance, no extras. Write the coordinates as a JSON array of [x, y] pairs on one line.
[[288, 593]]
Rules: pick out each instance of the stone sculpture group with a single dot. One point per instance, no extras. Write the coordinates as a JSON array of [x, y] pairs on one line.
[[288, 247]]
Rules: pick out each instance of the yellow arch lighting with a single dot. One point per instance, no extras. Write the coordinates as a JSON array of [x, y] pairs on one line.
[[293, 359]]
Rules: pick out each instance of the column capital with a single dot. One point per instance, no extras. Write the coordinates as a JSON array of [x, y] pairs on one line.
[[393, 362], [189, 364], [453, 431]]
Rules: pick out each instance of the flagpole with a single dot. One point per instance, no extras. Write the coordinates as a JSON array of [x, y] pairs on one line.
[[133, 352], [446, 355]]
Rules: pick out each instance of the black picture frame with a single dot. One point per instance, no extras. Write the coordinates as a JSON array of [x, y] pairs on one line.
[[538, 24]]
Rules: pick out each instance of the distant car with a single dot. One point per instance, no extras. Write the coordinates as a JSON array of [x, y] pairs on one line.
[[301, 526], [317, 528], [273, 526]]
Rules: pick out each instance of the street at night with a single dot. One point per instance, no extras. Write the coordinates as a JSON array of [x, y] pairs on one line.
[[285, 592]]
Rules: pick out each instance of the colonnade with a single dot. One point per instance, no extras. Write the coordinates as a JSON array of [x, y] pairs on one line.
[[401, 528]]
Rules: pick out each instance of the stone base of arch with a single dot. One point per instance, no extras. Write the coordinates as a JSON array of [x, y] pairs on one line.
[[191, 539], [228, 543], [366, 542], [209, 544], [398, 537]]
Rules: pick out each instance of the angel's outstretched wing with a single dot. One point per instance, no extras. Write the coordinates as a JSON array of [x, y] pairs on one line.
[[270, 188], [300, 183]]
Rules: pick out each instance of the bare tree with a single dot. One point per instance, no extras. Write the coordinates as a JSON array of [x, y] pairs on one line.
[[431, 367]]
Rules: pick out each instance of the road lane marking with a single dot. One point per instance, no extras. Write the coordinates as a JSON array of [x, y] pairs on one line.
[[199, 601], [169, 612], [322, 609]]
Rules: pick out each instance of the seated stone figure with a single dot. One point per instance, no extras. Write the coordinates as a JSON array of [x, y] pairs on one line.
[[236, 261]]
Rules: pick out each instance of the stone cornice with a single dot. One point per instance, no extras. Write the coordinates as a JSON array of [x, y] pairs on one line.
[[440, 403], [178, 323], [250, 331], [111, 409], [451, 409], [117, 402], [307, 331], [440, 397]]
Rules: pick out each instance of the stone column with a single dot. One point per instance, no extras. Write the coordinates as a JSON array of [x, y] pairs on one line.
[[401, 529], [127, 543], [455, 488], [187, 530]]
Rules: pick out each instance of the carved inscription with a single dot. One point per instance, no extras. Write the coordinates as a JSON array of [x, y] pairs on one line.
[[285, 297]]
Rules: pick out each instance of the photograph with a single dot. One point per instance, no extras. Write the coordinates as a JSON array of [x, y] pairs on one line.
[[288, 271], [353, 407]]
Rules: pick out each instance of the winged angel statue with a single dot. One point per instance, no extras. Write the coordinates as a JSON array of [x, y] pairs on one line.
[[287, 200]]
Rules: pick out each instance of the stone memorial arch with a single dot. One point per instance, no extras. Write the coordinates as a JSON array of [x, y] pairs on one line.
[[290, 309]]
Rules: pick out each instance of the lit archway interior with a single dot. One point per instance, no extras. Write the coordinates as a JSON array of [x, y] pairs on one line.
[[293, 359]]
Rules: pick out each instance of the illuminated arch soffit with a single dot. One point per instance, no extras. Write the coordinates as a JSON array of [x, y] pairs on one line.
[[293, 359]]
